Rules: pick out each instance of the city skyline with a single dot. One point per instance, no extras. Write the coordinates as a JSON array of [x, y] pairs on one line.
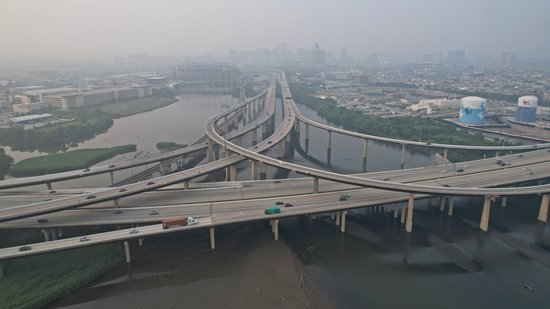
[[34, 29]]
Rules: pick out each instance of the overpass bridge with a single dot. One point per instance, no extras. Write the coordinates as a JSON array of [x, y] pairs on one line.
[[405, 190]]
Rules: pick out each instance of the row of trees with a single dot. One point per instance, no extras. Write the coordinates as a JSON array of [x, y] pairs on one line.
[[5, 163], [409, 128]]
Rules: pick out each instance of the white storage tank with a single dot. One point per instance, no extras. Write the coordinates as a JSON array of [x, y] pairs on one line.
[[527, 109], [473, 110]]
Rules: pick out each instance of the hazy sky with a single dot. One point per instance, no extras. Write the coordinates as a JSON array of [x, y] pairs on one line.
[[117, 27]]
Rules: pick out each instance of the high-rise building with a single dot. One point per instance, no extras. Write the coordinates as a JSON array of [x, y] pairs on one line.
[[456, 57], [509, 60]]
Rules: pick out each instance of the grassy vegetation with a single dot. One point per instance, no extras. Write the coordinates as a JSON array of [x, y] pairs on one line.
[[5, 163], [67, 161], [169, 146], [35, 281], [409, 128], [132, 107]]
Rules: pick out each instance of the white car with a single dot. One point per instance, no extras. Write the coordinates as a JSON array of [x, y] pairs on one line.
[[192, 221]]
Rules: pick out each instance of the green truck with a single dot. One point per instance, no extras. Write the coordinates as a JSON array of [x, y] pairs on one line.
[[272, 210]]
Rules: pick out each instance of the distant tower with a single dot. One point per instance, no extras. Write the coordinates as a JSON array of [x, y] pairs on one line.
[[472, 110], [527, 109]]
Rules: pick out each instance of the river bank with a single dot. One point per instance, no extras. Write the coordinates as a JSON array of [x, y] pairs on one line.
[[248, 269]]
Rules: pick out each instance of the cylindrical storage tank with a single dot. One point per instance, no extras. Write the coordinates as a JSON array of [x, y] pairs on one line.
[[527, 109], [473, 110]]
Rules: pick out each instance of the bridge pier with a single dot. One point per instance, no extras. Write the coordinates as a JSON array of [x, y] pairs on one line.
[[484, 223], [186, 185], [503, 201], [343, 221], [140, 241], [275, 228], [365, 156], [403, 213], [1, 271], [49, 185], [329, 147], [445, 154], [59, 232], [127, 251], [212, 238], [442, 203], [451, 206], [46, 234], [264, 131], [396, 213], [307, 138], [410, 205], [232, 173], [315, 185], [402, 156], [337, 218], [280, 150], [112, 175], [254, 137], [543, 211], [262, 171], [209, 151], [53, 234]]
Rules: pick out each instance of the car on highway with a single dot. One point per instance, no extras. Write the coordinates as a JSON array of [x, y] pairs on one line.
[[385, 178], [89, 197], [111, 166], [150, 183], [117, 211], [269, 142], [154, 212], [192, 221], [443, 171], [25, 248], [272, 210], [52, 191], [344, 195], [288, 205], [279, 203], [520, 156], [503, 164], [86, 170], [84, 238], [460, 170], [42, 220], [499, 162], [134, 231]]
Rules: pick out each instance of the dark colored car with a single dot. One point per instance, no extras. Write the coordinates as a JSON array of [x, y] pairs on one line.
[[89, 197], [86, 170], [499, 162], [154, 212], [279, 203], [111, 166], [342, 198], [288, 205], [122, 190], [52, 191], [502, 164], [460, 170], [118, 211], [25, 248], [42, 220], [150, 183]]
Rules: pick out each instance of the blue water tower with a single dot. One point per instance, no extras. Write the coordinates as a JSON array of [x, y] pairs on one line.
[[472, 110]]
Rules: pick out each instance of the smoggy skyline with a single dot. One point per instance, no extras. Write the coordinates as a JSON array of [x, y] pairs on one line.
[[88, 28]]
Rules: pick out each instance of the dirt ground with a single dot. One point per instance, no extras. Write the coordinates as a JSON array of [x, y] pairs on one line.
[[248, 269]]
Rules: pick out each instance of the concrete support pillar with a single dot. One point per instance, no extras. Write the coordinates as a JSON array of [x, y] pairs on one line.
[[280, 149], [365, 155], [264, 131], [497, 154], [53, 234], [263, 172], [410, 205], [343, 221], [315, 185], [59, 232], [212, 238], [329, 140], [252, 170], [445, 154], [233, 173], [1, 271], [140, 242], [403, 213], [275, 227], [503, 201], [254, 136], [127, 251], [337, 218], [543, 211], [46, 234], [116, 202], [395, 213], [186, 185], [49, 185], [209, 151], [402, 156], [442, 203], [484, 223], [307, 138], [112, 174], [451, 206]]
